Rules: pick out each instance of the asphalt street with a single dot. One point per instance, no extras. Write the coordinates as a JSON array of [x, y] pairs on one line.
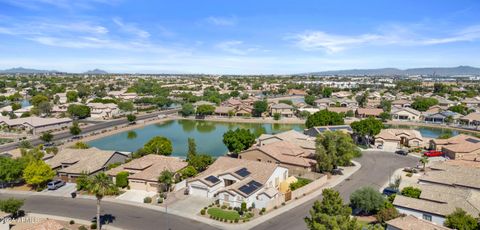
[[94, 127], [375, 171]]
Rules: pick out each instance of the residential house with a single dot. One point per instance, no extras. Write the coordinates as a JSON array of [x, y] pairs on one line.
[[293, 136], [144, 171], [336, 102], [297, 92], [410, 222], [405, 114], [401, 103], [199, 103], [367, 112], [71, 163], [392, 139], [35, 125], [315, 131], [284, 153], [444, 189], [442, 117], [341, 94], [233, 181], [104, 111], [224, 110], [460, 147], [283, 109], [471, 119]]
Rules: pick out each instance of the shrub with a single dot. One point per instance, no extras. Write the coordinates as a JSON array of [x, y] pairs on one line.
[[409, 174], [367, 199], [147, 200], [93, 226], [202, 212], [72, 222], [411, 192], [121, 180], [82, 228], [224, 207], [283, 203], [236, 221]]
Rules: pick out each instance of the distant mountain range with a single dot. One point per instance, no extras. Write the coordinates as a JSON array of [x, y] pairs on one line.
[[96, 71], [437, 71], [27, 71]]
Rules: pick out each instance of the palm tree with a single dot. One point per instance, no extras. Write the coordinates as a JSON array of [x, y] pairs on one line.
[[101, 186], [166, 178], [424, 161]]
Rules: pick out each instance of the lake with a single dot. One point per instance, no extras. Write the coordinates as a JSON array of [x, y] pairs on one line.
[[208, 135]]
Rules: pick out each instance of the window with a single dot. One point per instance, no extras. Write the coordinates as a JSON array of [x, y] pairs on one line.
[[427, 217], [225, 197]]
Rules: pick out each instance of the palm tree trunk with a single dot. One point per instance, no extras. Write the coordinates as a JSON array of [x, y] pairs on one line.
[[98, 215]]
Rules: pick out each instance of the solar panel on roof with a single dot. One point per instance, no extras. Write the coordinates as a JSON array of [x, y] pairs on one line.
[[471, 140], [250, 187], [243, 172], [212, 179]]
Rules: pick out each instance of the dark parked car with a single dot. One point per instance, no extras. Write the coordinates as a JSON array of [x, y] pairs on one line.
[[389, 191], [402, 152]]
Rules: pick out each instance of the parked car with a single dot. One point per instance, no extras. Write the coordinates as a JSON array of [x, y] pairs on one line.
[[433, 153], [55, 184], [390, 191], [337, 171], [402, 152]]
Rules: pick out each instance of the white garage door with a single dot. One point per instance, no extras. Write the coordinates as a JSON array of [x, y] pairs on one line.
[[390, 146], [197, 191]]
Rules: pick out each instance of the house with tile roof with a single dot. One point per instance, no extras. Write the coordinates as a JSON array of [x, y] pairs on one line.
[[471, 119], [368, 112], [392, 139], [233, 181], [410, 222], [144, 172], [35, 125], [283, 109], [460, 147], [405, 114], [71, 163], [443, 189]]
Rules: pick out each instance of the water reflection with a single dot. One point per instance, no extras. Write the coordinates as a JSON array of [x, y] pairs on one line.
[[131, 135]]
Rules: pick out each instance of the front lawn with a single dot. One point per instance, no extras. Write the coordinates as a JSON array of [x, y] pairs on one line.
[[223, 214], [300, 183]]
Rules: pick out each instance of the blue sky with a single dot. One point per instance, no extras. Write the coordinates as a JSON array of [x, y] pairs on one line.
[[237, 37]]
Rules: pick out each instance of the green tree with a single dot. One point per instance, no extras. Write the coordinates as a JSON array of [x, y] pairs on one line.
[[46, 137], [158, 145], [37, 174], [37, 99], [204, 110], [187, 110], [75, 129], [44, 107], [72, 96], [11, 169], [367, 128], [200, 161], [327, 92], [424, 103], [334, 149], [238, 140], [367, 200], [83, 182], [385, 116], [411, 192], [362, 99], [101, 186], [324, 117], [121, 179], [460, 219], [80, 145], [386, 105], [78, 111], [424, 162], [276, 116], [387, 212], [25, 144], [15, 106], [131, 118], [461, 109], [188, 172], [259, 107], [331, 213], [165, 181], [126, 106], [310, 99], [192, 148], [11, 205]]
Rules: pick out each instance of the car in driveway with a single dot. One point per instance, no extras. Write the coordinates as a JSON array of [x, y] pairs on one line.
[[402, 152], [433, 153], [55, 184], [389, 191]]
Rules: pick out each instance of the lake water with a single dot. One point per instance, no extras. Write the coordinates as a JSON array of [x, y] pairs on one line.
[[208, 135], [427, 132]]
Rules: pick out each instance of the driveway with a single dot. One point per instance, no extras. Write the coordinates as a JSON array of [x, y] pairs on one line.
[[191, 204], [135, 195], [64, 190]]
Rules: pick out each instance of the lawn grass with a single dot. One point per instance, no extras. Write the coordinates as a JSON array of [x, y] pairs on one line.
[[223, 214], [300, 183]]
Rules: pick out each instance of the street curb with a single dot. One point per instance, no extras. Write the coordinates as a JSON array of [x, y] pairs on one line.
[[78, 221]]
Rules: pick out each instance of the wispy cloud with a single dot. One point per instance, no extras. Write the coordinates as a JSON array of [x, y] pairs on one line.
[[396, 35], [236, 47], [131, 28], [222, 21]]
